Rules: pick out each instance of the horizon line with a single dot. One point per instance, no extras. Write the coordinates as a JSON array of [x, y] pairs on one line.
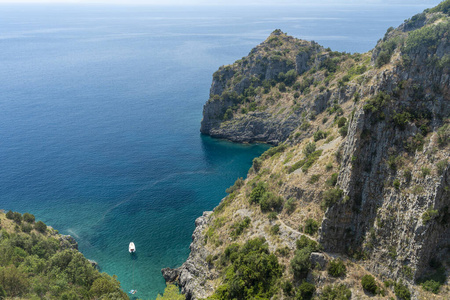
[[107, 3]]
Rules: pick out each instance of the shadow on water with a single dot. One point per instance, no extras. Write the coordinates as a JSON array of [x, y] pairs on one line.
[[216, 150]]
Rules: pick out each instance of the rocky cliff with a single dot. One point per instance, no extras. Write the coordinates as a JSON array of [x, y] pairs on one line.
[[361, 166], [236, 109]]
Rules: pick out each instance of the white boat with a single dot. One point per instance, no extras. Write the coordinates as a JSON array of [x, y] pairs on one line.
[[132, 248]]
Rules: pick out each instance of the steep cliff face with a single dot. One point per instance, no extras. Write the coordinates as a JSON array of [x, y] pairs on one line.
[[391, 148], [361, 166], [194, 274]]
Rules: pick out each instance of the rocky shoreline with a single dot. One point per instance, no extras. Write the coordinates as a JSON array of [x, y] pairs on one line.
[[192, 275]]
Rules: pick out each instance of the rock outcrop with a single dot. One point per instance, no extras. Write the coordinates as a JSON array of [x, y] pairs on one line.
[[279, 55], [67, 242], [192, 276]]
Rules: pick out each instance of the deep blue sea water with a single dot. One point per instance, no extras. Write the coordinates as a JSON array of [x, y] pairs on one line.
[[100, 108]]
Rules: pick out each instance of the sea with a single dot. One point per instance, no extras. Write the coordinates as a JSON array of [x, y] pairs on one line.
[[100, 110]]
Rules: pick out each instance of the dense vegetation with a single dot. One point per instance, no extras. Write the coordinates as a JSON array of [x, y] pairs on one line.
[[369, 284], [171, 292], [251, 272], [35, 264]]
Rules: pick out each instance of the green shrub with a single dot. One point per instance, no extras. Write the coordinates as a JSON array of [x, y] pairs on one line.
[[288, 288], [14, 281], [443, 134], [386, 50], [305, 126], [305, 291], [273, 150], [290, 205], [336, 108], [290, 77], [319, 135], [396, 184], [305, 242], [306, 163], [252, 272], [2, 293], [236, 186], [401, 119], [272, 216], [310, 160], [283, 251], [17, 217], [239, 227], [275, 229], [102, 286], [343, 130], [314, 178], [383, 58], [414, 143], [392, 252], [402, 291], [282, 87], [10, 215], [441, 165], [257, 163], [336, 292], [368, 283], [228, 114], [329, 139], [337, 268], [341, 122], [257, 193], [309, 149], [431, 286], [171, 292], [433, 281], [394, 162], [407, 271], [388, 283], [330, 64], [429, 215], [330, 197], [376, 103], [26, 227], [407, 174], [300, 263], [28, 218], [311, 226], [332, 180], [425, 172], [269, 202], [40, 226]]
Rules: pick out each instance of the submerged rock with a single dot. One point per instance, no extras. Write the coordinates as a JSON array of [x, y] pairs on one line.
[[94, 264]]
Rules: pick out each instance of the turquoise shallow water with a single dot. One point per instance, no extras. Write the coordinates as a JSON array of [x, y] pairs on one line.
[[100, 111]]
